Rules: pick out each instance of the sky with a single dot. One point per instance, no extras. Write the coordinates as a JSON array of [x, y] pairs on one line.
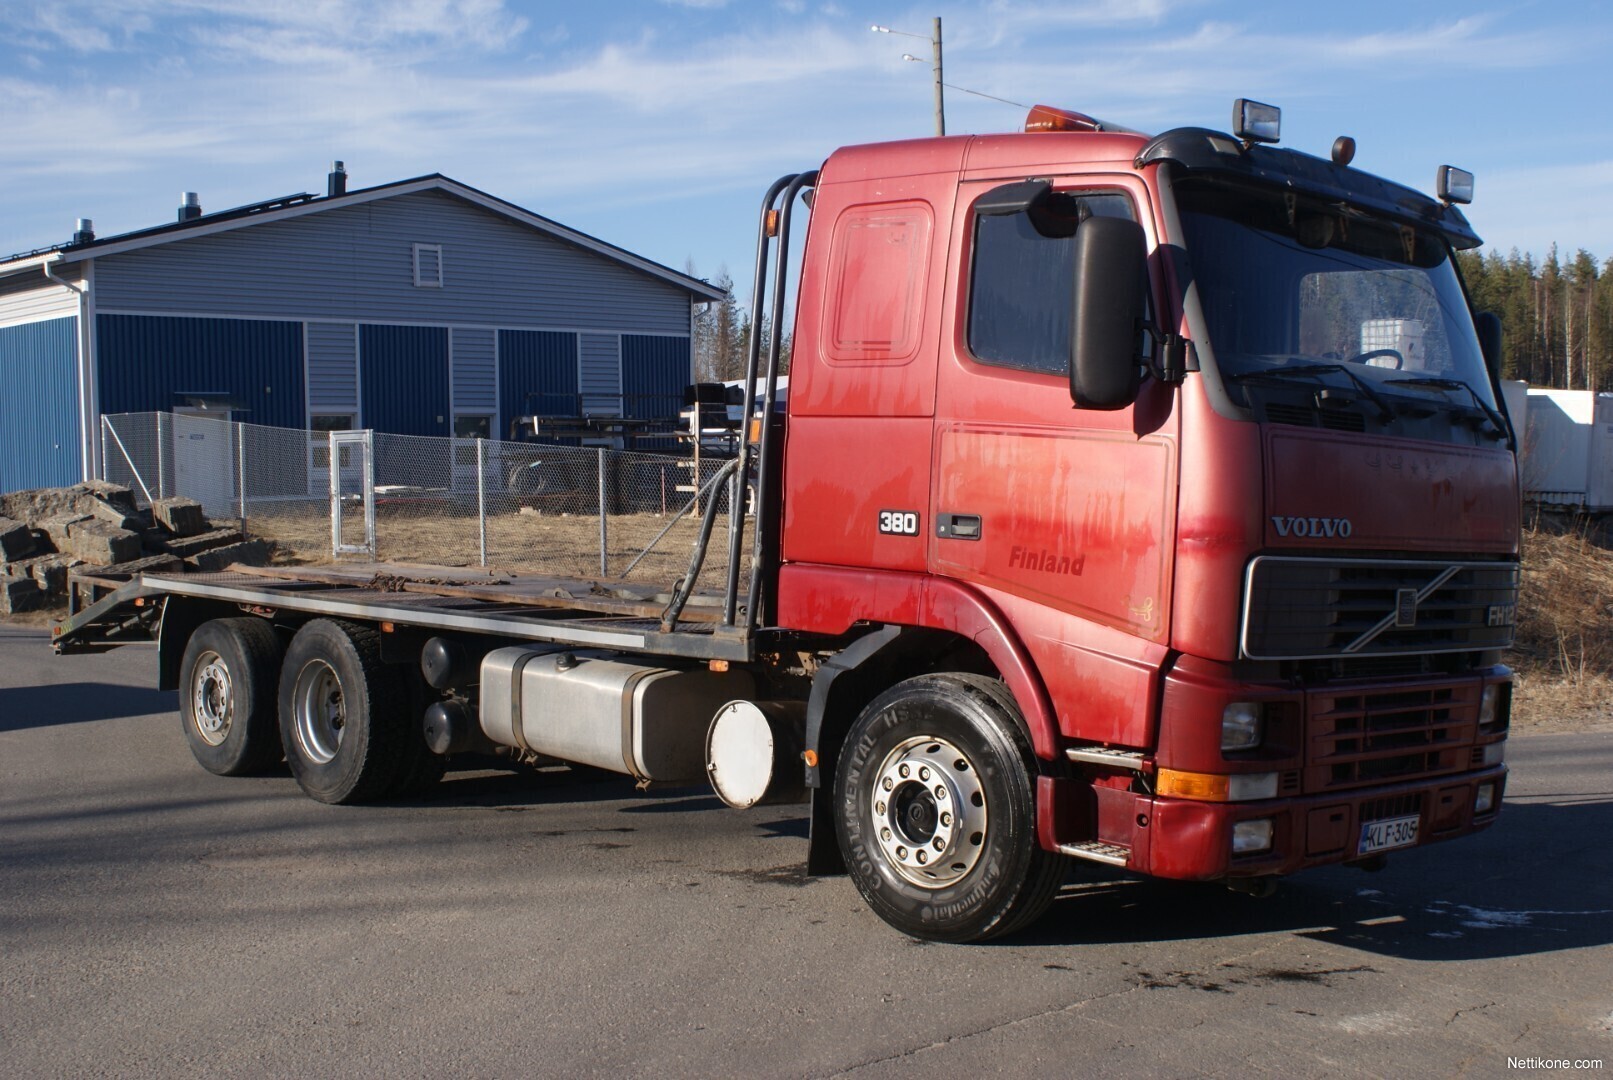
[[657, 124]]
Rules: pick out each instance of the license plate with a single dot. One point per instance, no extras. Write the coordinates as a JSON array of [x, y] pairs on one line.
[[1395, 832]]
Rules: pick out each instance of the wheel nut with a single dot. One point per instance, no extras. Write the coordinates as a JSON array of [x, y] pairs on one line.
[[901, 852], [924, 774], [923, 858], [903, 772], [884, 834], [939, 845], [889, 783], [879, 808], [940, 791], [946, 819]]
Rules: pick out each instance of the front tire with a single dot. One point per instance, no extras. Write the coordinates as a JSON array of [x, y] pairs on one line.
[[342, 714], [936, 811], [227, 697]]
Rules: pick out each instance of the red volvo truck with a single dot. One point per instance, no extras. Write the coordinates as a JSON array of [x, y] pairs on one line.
[[1140, 500]]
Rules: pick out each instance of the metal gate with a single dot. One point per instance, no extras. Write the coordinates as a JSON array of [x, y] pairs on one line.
[[352, 492]]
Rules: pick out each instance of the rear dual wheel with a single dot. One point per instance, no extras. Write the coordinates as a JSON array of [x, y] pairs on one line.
[[227, 683], [345, 718], [936, 812]]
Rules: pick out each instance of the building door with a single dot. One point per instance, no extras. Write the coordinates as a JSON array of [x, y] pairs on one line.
[[205, 457]]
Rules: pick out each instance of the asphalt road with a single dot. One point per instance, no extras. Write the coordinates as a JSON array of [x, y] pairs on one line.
[[160, 921]]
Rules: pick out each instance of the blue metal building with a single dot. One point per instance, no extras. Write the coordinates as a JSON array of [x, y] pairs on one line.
[[422, 307]]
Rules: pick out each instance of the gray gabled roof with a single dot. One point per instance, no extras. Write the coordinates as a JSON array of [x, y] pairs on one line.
[[303, 203]]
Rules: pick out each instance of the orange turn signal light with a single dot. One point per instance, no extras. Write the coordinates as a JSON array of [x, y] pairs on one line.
[[810, 757], [1215, 787], [1207, 787]]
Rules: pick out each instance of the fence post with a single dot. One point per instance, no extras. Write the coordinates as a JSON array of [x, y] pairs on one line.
[[104, 474], [161, 473], [481, 493], [240, 454], [604, 558]]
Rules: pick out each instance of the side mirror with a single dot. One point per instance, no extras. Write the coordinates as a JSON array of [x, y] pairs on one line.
[[1110, 293], [1487, 324]]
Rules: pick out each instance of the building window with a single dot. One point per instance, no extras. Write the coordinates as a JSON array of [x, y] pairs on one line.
[[320, 425], [470, 427], [1023, 282], [428, 266]]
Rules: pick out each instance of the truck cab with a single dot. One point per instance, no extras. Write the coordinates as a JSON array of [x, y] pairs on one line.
[[1192, 442]]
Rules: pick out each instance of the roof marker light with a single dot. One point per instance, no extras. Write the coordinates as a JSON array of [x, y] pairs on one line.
[[1254, 122], [1455, 185], [1048, 118]]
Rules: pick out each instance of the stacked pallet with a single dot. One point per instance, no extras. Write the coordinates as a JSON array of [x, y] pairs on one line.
[[95, 530]]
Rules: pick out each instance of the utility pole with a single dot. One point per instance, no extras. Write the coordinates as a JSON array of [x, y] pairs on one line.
[[935, 66], [940, 105]]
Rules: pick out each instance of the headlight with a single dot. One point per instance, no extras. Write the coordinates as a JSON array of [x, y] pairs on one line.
[[1240, 726], [1494, 754], [1250, 836], [1487, 704], [1484, 801]]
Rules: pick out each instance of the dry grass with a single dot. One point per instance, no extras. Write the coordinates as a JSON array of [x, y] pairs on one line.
[[1564, 652], [549, 541]]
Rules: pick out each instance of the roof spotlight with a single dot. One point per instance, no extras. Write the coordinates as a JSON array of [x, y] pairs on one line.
[[1254, 122]]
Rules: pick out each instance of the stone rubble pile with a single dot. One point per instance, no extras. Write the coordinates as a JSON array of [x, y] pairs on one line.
[[95, 529]]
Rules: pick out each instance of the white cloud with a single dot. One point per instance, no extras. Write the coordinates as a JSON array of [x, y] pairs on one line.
[[112, 25]]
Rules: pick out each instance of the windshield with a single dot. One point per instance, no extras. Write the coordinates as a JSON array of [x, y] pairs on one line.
[[1307, 294]]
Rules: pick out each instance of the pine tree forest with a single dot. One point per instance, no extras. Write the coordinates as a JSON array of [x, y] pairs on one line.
[[1557, 316]]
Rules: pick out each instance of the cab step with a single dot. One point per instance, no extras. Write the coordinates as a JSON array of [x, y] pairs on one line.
[[1101, 755], [1098, 851]]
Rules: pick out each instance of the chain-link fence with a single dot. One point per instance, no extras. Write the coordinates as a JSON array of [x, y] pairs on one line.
[[573, 511]]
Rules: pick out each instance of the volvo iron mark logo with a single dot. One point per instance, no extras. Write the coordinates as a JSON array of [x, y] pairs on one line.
[[1313, 528]]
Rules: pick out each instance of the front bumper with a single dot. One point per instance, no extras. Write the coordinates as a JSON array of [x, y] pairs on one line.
[[1192, 841]]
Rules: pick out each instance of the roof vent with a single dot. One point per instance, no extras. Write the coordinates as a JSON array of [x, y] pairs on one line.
[[336, 182], [190, 206], [84, 231]]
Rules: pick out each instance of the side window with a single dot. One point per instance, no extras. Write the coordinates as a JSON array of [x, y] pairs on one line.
[[1023, 279], [877, 274]]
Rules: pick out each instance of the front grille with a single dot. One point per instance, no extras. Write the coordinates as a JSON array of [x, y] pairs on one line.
[[1373, 738], [1301, 608], [1391, 807]]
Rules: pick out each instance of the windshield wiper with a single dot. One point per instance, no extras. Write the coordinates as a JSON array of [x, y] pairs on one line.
[[1278, 374], [1494, 417]]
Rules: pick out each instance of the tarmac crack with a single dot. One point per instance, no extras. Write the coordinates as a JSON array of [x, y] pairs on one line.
[[1457, 1015], [1000, 1025]]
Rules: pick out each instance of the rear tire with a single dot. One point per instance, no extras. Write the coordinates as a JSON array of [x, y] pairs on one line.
[[342, 714], [936, 811], [227, 681]]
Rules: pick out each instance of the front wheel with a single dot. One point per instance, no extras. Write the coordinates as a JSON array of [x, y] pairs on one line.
[[936, 811]]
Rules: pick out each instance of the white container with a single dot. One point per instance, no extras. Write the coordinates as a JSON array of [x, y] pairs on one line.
[[1515, 395], [1599, 477], [1556, 448]]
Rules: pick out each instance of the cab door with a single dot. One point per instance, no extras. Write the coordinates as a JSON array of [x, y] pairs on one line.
[[1064, 516]]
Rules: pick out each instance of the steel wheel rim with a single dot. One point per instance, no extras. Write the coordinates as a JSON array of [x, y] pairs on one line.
[[212, 699], [320, 711], [929, 812]]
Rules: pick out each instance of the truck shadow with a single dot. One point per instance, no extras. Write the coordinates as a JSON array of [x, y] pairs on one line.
[[1540, 881], [23, 707]]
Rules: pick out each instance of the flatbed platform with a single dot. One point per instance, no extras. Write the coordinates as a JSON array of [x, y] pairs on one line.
[[569, 611]]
